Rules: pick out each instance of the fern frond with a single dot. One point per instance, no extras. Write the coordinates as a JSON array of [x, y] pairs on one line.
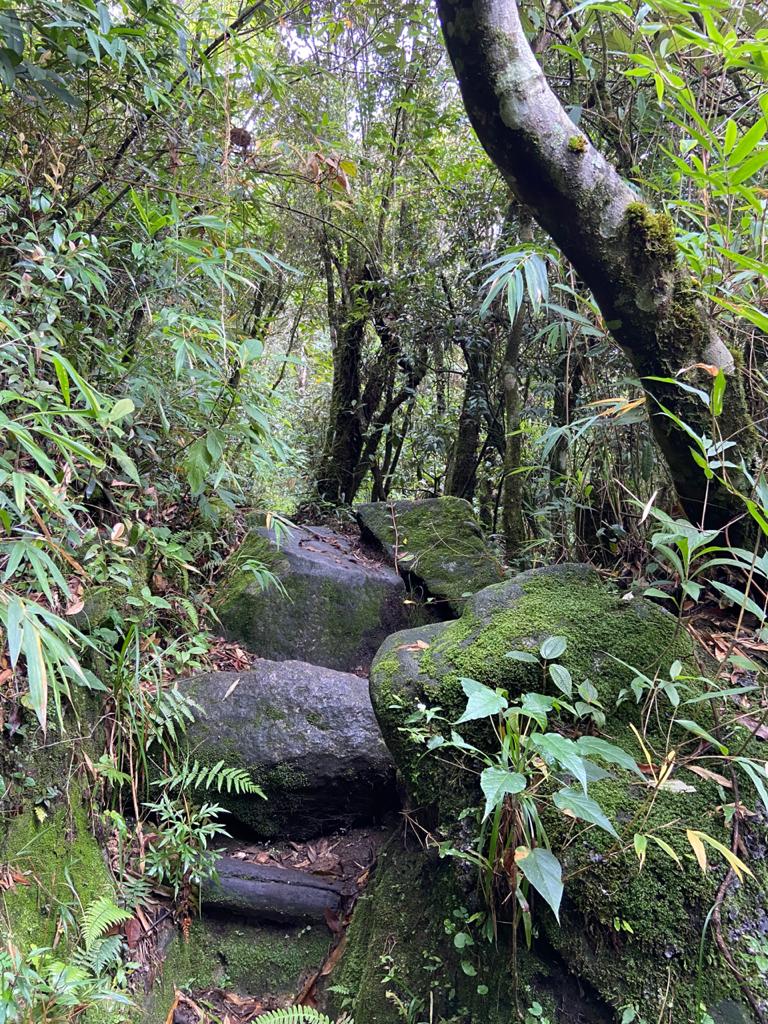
[[194, 775], [297, 1015], [98, 917]]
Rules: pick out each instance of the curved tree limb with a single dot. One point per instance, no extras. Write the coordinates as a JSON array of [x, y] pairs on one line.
[[625, 253]]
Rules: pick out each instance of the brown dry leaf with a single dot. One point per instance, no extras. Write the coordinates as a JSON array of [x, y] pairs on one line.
[[117, 532], [143, 919], [174, 1005], [75, 605], [332, 920], [758, 729], [133, 932], [333, 957], [705, 773], [417, 645], [706, 367], [6, 675], [10, 878]]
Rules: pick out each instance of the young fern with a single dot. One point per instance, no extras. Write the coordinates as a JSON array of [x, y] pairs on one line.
[[105, 953], [193, 775], [99, 917]]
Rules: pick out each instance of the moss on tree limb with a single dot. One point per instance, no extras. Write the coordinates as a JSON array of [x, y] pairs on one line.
[[623, 250]]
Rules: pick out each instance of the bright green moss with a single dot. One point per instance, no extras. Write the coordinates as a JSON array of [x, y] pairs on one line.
[[653, 232], [601, 629], [577, 144], [400, 953], [57, 851]]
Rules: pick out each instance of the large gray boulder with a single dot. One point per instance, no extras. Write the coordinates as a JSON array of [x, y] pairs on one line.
[[437, 541], [335, 608], [308, 737]]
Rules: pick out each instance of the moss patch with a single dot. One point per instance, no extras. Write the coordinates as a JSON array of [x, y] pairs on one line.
[[248, 959], [55, 850], [401, 957], [601, 630], [329, 613]]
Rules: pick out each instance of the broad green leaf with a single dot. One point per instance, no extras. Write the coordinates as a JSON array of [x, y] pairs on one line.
[[576, 803], [553, 647], [37, 673], [123, 407], [496, 783], [740, 599], [640, 842], [559, 749], [697, 730], [126, 463], [544, 872], [525, 656], [15, 628], [594, 746], [718, 390], [561, 677]]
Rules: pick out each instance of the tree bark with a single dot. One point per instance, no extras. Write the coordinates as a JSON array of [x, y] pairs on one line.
[[462, 473], [624, 252]]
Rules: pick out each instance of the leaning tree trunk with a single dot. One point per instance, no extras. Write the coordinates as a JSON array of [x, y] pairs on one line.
[[624, 252]]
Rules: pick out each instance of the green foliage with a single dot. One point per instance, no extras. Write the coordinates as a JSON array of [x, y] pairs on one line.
[[37, 987], [519, 775], [180, 856]]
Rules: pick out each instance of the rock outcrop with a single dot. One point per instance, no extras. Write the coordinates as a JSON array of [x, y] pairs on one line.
[[333, 606], [309, 738], [436, 541]]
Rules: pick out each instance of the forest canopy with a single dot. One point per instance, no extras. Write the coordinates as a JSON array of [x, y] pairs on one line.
[[276, 267]]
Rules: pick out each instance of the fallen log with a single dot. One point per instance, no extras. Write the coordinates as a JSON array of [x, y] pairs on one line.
[[264, 892]]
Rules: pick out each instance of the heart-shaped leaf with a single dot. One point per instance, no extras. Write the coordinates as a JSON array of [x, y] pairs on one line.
[[483, 702]]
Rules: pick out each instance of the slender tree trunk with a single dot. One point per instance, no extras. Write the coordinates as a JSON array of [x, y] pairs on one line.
[[625, 253], [461, 478], [344, 440]]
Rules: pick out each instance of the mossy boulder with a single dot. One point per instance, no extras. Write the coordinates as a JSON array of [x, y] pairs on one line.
[[437, 541], [333, 607], [309, 738], [65, 870], [633, 936]]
